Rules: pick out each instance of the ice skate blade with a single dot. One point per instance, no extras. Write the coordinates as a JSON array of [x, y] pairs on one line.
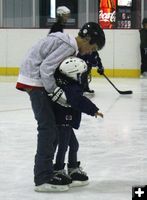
[[78, 183], [51, 188]]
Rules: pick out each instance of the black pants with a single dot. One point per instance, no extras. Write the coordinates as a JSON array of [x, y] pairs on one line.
[[143, 59], [85, 80], [66, 139], [47, 133]]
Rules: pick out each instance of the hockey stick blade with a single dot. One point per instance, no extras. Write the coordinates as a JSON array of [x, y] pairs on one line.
[[125, 92], [119, 91]]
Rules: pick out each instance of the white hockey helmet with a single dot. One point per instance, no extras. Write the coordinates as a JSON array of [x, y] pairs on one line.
[[73, 67], [62, 10]]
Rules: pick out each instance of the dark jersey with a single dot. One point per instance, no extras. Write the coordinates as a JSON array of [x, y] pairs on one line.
[[92, 60], [143, 38], [79, 104], [57, 27]]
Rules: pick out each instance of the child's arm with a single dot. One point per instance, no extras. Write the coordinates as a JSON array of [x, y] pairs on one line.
[[75, 98], [99, 114]]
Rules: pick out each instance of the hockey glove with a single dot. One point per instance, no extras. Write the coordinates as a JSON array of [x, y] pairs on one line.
[[100, 70], [59, 97]]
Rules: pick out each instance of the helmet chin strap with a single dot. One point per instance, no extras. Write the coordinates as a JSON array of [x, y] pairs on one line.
[[79, 77]]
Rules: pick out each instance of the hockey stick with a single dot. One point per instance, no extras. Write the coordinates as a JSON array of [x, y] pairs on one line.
[[119, 91]]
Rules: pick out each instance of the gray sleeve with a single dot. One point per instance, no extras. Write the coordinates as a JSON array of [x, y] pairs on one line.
[[51, 62]]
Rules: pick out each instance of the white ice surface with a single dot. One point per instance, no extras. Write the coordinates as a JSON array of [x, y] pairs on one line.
[[113, 150]]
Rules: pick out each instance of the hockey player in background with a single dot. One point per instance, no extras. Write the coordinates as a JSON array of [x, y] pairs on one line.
[[63, 14], [68, 112], [92, 60], [143, 48]]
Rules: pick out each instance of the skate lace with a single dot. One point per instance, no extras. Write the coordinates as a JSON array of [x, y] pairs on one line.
[[62, 171], [78, 170]]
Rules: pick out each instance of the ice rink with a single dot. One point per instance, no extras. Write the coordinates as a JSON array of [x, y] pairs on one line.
[[113, 150]]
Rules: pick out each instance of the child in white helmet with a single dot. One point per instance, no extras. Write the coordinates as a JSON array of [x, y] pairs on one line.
[[63, 14], [68, 112]]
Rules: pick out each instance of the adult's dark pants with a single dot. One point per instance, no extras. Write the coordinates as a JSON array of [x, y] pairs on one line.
[[47, 133]]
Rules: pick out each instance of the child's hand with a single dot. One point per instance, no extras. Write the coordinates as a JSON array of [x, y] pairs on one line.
[[99, 114]]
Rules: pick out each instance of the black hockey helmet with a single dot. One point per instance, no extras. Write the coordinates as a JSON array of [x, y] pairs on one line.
[[95, 32], [144, 21]]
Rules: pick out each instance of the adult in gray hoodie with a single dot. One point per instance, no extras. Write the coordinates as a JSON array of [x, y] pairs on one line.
[[36, 77]]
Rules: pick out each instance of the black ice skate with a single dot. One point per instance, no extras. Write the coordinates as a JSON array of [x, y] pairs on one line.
[[61, 173], [78, 176], [55, 184]]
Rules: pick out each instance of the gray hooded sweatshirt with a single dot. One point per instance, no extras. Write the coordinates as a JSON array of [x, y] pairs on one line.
[[41, 61]]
